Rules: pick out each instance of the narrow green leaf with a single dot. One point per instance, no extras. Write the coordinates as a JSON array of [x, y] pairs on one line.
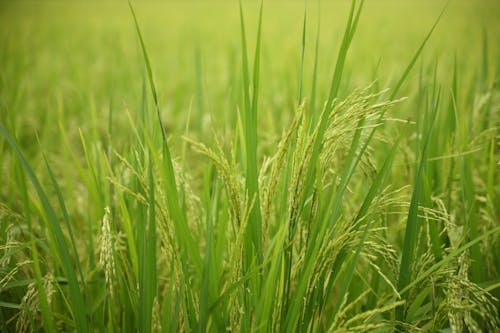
[[408, 68], [302, 53], [147, 274], [77, 303], [184, 236], [62, 204], [413, 224], [372, 192], [48, 320]]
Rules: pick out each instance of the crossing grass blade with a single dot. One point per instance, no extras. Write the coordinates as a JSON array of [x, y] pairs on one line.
[[372, 192], [350, 28], [448, 258], [208, 263], [412, 223], [470, 204], [413, 60], [78, 308], [147, 259], [250, 136], [171, 185], [167, 170], [62, 204], [48, 320], [317, 238]]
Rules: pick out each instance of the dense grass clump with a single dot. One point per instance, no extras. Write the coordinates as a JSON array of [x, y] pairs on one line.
[[277, 167]]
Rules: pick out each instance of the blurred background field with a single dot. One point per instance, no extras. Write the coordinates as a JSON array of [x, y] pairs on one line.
[[74, 55]]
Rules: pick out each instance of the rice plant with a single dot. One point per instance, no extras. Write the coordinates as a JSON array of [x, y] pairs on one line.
[[189, 167]]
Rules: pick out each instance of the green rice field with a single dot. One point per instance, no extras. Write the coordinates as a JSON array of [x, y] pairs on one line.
[[250, 166]]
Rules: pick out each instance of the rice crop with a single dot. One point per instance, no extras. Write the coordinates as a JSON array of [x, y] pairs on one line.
[[250, 166]]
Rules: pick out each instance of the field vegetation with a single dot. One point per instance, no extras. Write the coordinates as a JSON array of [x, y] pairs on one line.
[[253, 166]]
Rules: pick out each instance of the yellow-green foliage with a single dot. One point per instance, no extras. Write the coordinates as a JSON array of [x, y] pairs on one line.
[[271, 166]]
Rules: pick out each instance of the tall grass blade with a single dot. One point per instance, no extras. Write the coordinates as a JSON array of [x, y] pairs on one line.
[[174, 208], [313, 118], [250, 135], [302, 53], [48, 320], [147, 273], [78, 308], [372, 192], [335, 85], [413, 224], [413, 60], [62, 204]]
